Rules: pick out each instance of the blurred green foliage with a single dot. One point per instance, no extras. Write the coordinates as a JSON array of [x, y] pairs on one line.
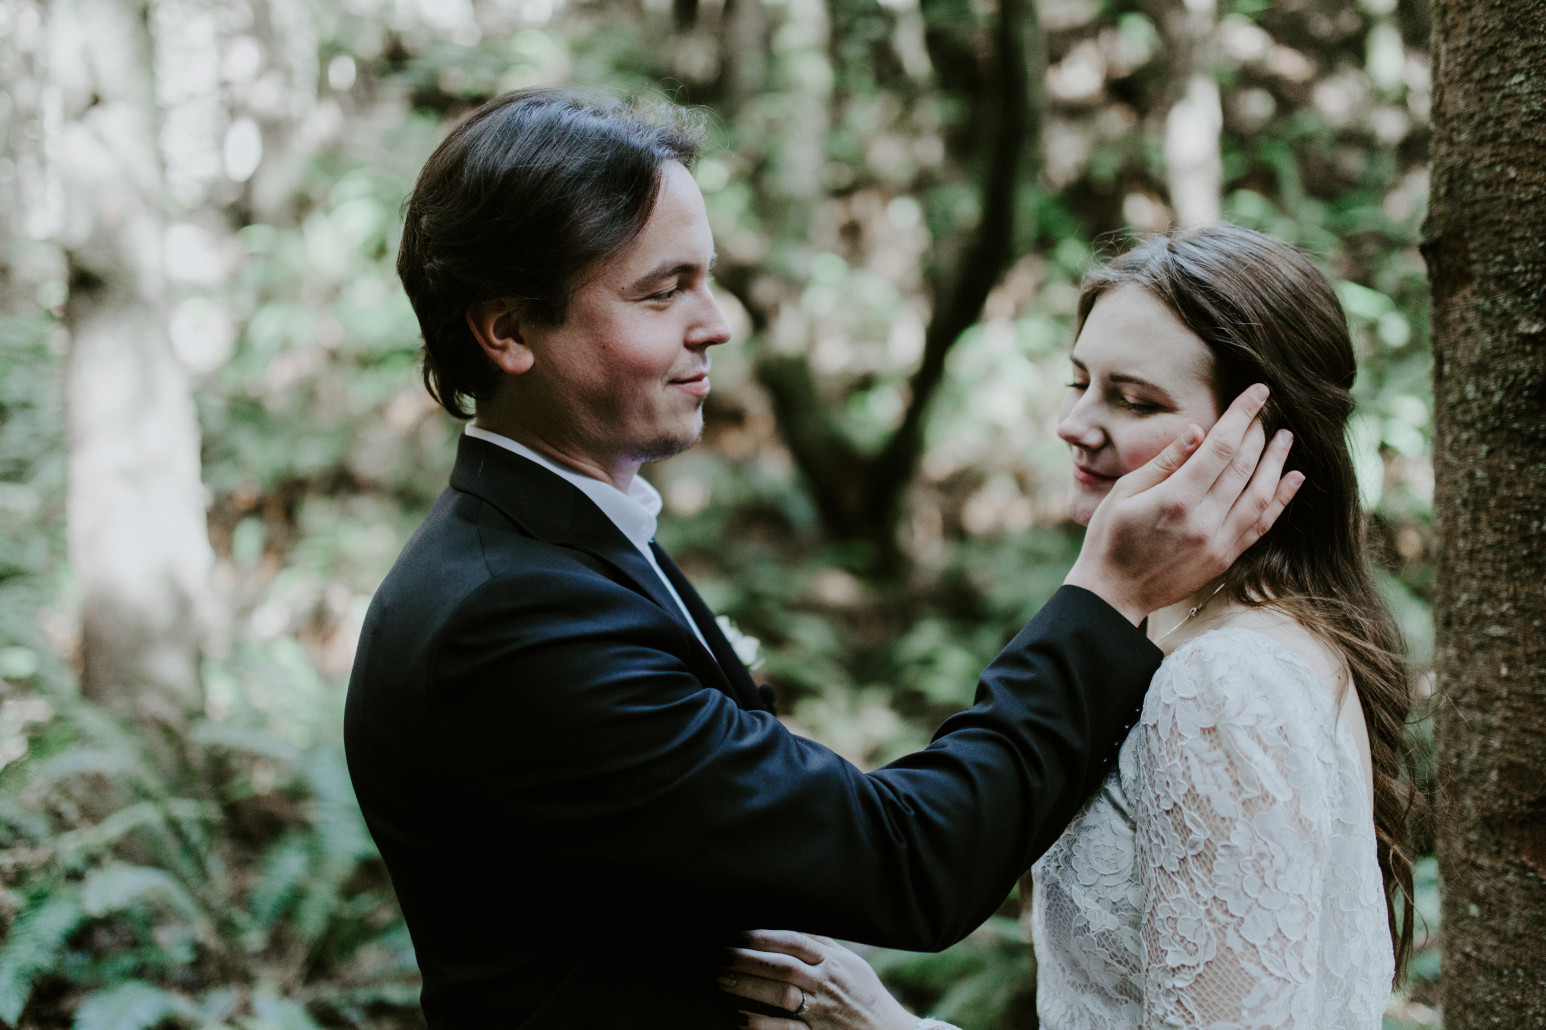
[[841, 187]]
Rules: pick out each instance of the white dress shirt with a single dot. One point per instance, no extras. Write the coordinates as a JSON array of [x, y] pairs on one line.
[[634, 513]]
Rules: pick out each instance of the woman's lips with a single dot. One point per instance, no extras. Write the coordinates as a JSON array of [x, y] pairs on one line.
[[1085, 477]]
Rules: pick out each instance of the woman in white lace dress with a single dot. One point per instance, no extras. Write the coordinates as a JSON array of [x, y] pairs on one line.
[[1239, 866]]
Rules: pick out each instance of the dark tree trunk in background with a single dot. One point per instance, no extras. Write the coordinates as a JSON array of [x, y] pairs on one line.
[[138, 540], [1486, 252], [859, 493]]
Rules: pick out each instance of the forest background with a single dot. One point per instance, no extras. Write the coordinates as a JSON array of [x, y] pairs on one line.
[[904, 194]]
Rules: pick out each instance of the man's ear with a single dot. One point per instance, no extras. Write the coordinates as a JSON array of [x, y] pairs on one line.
[[496, 325]]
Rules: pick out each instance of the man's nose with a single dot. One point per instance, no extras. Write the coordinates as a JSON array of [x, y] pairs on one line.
[[712, 327]]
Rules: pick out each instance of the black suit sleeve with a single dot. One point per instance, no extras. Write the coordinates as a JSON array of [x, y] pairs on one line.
[[576, 724]]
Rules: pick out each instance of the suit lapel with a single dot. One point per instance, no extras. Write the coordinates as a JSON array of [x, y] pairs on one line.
[[746, 693], [546, 507]]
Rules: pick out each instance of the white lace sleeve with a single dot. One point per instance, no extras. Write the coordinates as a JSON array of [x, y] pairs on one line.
[[1232, 823]]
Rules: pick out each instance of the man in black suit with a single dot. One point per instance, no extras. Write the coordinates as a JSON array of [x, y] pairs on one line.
[[578, 790]]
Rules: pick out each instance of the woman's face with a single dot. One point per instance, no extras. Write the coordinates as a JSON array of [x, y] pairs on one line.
[[1140, 378]]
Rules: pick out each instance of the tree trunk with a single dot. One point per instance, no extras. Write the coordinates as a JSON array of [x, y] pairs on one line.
[[1194, 165], [23, 195], [138, 541], [859, 495], [1487, 267]]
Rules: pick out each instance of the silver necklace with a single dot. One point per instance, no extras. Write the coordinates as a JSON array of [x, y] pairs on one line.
[[1191, 613]]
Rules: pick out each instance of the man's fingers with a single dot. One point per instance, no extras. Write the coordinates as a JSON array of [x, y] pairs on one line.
[[788, 942], [1264, 498], [1223, 445], [1233, 484], [771, 965], [773, 993], [1288, 486], [1257, 528]]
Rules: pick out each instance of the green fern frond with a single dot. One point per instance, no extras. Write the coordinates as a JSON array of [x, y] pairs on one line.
[[285, 869], [386, 956], [340, 841], [316, 906], [34, 943], [76, 845], [135, 1005], [19, 821], [187, 848], [281, 1014], [216, 1006], [260, 743], [107, 744], [119, 886], [397, 993], [327, 776], [84, 760], [354, 1003]]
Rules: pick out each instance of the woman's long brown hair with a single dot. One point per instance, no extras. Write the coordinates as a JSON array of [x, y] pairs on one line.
[[1270, 316]]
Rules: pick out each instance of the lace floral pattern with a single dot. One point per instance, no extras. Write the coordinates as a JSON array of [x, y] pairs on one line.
[[1225, 875]]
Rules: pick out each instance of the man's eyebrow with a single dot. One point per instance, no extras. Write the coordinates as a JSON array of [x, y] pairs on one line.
[[670, 268]]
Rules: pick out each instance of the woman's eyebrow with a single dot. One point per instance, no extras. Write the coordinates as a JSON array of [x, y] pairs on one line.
[[1139, 381], [1128, 379]]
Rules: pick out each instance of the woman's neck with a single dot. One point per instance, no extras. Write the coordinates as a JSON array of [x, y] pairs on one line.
[[1172, 626]]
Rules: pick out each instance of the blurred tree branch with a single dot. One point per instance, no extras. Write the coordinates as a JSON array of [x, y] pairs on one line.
[[858, 492]]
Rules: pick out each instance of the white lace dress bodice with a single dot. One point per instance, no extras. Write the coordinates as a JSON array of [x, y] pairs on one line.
[[1226, 874]]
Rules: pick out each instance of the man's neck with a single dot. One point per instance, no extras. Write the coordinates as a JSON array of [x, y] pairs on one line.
[[619, 475]]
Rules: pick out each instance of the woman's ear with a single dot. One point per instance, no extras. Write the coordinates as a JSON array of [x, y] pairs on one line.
[[496, 325]]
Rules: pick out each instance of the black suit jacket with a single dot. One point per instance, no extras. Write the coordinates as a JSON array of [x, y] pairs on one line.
[[579, 804]]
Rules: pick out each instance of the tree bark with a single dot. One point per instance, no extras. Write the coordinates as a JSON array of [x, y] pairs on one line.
[[1487, 268], [138, 540], [1194, 165]]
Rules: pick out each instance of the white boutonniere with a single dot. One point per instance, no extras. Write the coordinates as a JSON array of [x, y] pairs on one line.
[[747, 647]]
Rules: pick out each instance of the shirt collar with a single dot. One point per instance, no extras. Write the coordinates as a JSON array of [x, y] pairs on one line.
[[635, 513]]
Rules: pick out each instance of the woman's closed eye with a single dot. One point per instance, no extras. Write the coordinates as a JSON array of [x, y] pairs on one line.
[[1136, 406], [1132, 405]]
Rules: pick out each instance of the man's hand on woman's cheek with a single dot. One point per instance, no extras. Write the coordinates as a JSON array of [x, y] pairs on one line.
[[1168, 528]]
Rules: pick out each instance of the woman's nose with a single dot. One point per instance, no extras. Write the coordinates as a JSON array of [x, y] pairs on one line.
[[1078, 429]]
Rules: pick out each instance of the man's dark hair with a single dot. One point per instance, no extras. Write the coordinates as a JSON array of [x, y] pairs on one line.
[[520, 201]]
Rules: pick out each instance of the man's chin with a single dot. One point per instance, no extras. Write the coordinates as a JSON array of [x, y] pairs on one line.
[[668, 446]]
